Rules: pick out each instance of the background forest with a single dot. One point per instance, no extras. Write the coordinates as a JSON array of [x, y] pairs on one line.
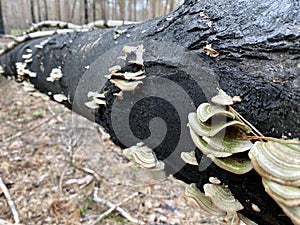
[[20, 14]]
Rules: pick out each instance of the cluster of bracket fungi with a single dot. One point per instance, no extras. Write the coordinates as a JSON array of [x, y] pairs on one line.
[[126, 81], [221, 134], [218, 132], [278, 164]]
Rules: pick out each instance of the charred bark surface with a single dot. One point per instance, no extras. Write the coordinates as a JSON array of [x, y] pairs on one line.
[[259, 60]]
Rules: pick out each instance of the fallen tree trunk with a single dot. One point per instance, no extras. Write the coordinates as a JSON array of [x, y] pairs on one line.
[[248, 48]]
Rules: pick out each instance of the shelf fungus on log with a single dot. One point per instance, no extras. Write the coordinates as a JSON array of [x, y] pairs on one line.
[[234, 164], [221, 137], [222, 197], [97, 100], [129, 80], [60, 97], [204, 203], [205, 111], [189, 158], [146, 158], [287, 195], [279, 166], [277, 162], [55, 74]]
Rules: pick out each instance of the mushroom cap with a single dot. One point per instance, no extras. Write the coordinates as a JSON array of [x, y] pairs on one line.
[[158, 172], [210, 129], [192, 192], [228, 143], [125, 85], [222, 197], [287, 195], [292, 212], [234, 164], [222, 98], [205, 148], [277, 161], [189, 157], [206, 111], [142, 155]]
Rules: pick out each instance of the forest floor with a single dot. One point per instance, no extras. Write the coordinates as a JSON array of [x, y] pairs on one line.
[[39, 139]]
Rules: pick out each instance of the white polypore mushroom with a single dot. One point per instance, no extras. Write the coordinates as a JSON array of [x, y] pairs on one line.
[[60, 97], [55, 74]]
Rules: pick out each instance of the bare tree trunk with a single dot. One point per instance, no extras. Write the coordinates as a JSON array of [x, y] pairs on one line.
[[153, 8], [33, 18], [171, 5], [86, 12], [130, 11], [46, 10], [243, 62], [73, 10], [114, 10], [66, 10], [39, 10], [94, 10], [135, 10], [122, 9], [2, 30], [166, 6], [103, 10], [58, 9]]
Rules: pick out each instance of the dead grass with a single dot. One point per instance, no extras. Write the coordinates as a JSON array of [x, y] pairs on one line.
[[47, 189]]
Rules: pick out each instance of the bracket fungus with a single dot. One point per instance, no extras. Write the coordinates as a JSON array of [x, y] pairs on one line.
[[222, 98], [60, 97], [233, 164], [97, 100], [189, 158], [137, 50], [128, 80], [125, 85], [222, 197], [218, 135], [55, 74], [210, 129], [205, 111], [214, 180], [279, 165], [277, 161], [287, 195], [146, 158], [204, 203]]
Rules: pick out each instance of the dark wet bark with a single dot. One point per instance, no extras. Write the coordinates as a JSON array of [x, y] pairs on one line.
[[258, 45]]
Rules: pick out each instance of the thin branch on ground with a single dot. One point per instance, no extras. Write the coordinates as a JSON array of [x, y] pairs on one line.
[[21, 133], [113, 207], [10, 202]]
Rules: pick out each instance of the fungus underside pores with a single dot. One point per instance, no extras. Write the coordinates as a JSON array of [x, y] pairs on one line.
[[221, 134]]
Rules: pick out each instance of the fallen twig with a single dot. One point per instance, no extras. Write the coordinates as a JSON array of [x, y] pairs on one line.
[[115, 207], [10, 202]]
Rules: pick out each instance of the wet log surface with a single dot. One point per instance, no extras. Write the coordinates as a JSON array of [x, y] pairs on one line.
[[258, 47]]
